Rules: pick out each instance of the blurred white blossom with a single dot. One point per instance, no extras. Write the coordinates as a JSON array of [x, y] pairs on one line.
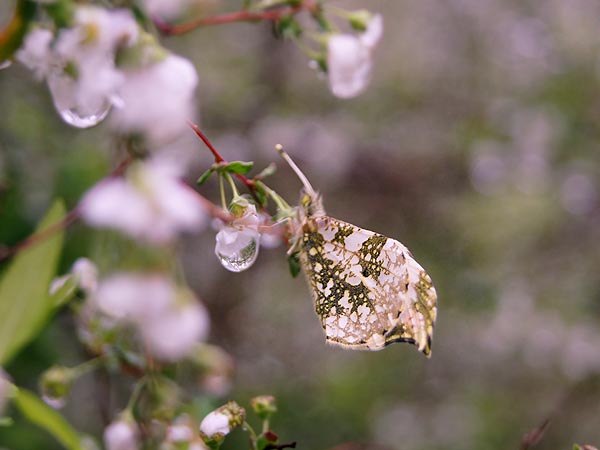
[[86, 273], [173, 334], [121, 435], [158, 99], [169, 320], [238, 242], [150, 204], [35, 53], [215, 423], [349, 60]]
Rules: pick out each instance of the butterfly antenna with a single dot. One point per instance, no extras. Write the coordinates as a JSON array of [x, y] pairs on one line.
[[307, 186]]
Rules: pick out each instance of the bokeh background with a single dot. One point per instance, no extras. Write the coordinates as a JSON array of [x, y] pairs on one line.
[[476, 145]]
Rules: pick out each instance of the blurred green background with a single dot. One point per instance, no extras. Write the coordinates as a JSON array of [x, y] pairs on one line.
[[476, 145]]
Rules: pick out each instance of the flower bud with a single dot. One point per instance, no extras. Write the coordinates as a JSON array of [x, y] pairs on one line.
[[121, 435], [217, 424], [359, 20], [55, 384], [264, 406]]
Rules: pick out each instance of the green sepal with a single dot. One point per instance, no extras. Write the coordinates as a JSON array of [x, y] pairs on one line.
[[66, 292], [288, 28], [294, 264], [205, 176], [238, 167], [261, 193], [359, 20], [266, 440]]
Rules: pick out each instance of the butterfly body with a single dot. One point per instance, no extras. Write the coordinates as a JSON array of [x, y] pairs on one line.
[[368, 290]]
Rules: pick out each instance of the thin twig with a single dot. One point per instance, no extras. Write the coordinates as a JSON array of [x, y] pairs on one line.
[[219, 159], [71, 217], [238, 16]]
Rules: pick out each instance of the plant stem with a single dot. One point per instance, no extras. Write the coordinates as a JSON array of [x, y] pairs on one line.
[[238, 16]]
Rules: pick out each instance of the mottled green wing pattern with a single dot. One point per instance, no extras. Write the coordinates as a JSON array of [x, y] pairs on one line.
[[368, 290]]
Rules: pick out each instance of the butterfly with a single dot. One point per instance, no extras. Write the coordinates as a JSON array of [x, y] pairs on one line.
[[368, 290]]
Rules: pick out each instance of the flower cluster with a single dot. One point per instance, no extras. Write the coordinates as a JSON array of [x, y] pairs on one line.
[[104, 60]]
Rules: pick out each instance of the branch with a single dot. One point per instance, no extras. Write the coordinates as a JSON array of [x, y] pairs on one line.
[[238, 16], [219, 159], [71, 217]]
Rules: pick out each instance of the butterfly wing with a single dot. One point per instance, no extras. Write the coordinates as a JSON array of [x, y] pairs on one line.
[[368, 290]]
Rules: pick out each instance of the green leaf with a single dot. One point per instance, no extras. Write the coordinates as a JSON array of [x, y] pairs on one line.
[[294, 264], [239, 167], [25, 303], [37, 412], [205, 176]]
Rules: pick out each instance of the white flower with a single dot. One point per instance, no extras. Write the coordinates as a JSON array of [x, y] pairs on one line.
[[89, 46], [167, 9], [169, 321], [86, 273], [180, 433], [349, 59], [134, 297], [238, 242], [158, 99], [172, 335], [35, 53], [215, 423], [151, 204], [121, 435]]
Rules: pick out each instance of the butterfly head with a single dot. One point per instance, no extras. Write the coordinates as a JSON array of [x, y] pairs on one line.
[[311, 204]]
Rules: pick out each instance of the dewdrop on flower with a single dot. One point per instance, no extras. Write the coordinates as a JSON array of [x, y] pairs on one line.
[[349, 60], [238, 242], [84, 86]]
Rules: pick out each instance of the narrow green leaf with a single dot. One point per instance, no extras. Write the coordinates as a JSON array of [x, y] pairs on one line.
[[205, 176], [294, 264], [25, 303], [239, 167], [37, 412]]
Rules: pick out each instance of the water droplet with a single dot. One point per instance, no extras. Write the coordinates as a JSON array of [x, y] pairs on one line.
[[5, 64], [237, 250], [68, 102], [74, 118]]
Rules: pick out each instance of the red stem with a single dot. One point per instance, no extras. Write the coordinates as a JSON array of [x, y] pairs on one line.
[[219, 159], [238, 16]]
